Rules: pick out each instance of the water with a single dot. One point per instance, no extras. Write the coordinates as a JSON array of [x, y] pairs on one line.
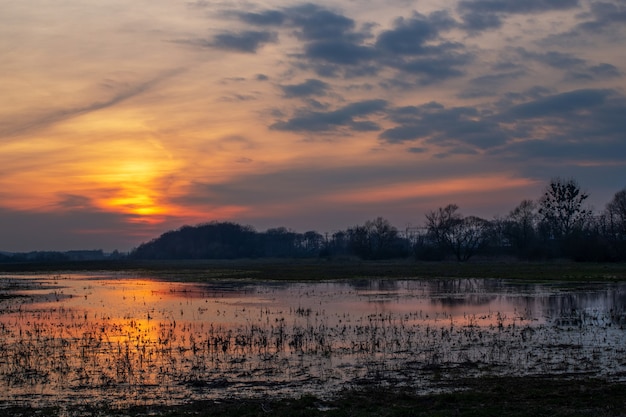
[[119, 340]]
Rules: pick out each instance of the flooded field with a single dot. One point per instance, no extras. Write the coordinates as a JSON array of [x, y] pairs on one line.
[[117, 340]]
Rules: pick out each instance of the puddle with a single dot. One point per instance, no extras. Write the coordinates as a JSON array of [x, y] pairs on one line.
[[122, 340]]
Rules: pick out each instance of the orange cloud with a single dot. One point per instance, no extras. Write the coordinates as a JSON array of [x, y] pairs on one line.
[[409, 190]]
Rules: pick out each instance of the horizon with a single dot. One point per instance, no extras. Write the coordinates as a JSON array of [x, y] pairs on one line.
[[121, 121]]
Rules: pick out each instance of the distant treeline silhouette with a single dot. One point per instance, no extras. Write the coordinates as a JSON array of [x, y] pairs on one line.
[[557, 225]]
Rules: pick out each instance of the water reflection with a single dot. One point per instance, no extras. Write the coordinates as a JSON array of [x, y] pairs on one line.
[[123, 340]]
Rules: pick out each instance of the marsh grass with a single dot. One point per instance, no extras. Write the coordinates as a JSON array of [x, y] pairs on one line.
[[321, 269]]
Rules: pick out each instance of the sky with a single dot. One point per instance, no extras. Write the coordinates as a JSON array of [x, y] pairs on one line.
[[121, 120]]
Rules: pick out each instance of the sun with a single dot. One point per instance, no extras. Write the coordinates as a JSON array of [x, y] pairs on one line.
[[135, 188]]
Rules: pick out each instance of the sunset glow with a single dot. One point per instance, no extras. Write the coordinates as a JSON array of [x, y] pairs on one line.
[[140, 118]]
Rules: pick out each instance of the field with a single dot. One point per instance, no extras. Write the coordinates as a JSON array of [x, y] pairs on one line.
[[407, 356]]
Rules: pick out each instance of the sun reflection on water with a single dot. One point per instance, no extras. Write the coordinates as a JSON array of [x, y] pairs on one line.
[[126, 340]]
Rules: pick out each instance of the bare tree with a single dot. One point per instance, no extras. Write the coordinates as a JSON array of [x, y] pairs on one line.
[[376, 239], [561, 208], [462, 236], [520, 226], [616, 215]]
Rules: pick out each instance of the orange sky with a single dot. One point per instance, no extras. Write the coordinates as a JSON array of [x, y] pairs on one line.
[[120, 121]]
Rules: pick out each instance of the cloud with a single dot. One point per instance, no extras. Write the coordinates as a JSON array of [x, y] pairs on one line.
[[333, 46], [604, 70], [605, 14], [266, 18], [436, 125], [554, 59], [310, 87], [575, 68], [581, 123], [74, 202], [310, 121], [248, 41], [71, 228], [409, 36], [516, 7], [569, 104], [315, 23], [339, 51], [605, 19], [29, 122], [488, 85], [475, 21], [481, 15]]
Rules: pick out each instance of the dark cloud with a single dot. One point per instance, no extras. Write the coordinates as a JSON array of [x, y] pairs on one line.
[[310, 121], [333, 45], [315, 23], [338, 51], [568, 104], [435, 124], [575, 68], [435, 68], [74, 202], [482, 15], [247, 41], [604, 19], [415, 46], [515, 7], [310, 87], [488, 85], [553, 59], [605, 70], [266, 18], [76, 226], [408, 36], [480, 21], [586, 123], [605, 14]]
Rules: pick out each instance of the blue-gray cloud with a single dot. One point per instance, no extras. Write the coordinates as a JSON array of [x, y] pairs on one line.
[[562, 105], [433, 123], [409, 36], [516, 7], [482, 15], [475, 21], [586, 123], [247, 41], [313, 121], [266, 18], [334, 46], [605, 18], [488, 85], [575, 68], [310, 87]]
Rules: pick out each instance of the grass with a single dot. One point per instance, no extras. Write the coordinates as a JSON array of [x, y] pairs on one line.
[[317, 269], [482, 397]]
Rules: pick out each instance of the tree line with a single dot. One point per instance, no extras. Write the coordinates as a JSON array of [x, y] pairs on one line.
[[556, 225]]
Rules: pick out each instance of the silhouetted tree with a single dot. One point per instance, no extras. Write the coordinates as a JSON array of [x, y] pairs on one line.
[[520, 229], [614, 222], [461, 236], [376, 239], [616, 213], [561, 208]]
